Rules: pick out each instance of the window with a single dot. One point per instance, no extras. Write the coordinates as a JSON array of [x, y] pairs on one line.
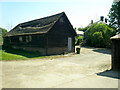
[[20, 39], [27, 39], [30, 38]]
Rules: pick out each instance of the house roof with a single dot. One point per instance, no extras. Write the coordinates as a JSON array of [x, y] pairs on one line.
[[38, 26], [116, 37]]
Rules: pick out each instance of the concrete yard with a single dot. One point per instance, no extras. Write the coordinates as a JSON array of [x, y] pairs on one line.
[[85, 70]]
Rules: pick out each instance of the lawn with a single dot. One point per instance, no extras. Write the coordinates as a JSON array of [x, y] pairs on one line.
[[8, 53]]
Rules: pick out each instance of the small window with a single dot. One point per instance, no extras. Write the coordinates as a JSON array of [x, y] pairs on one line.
[[10, 40], [30, 38], [27, 39], [20, 39]]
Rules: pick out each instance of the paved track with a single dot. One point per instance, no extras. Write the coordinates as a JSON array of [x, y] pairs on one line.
[[71, 71]]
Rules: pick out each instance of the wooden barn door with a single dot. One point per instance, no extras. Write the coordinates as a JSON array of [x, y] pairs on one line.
[[69, 44]]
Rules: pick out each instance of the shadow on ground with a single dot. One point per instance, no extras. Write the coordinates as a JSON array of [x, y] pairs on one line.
[[110, 73], [21, 52], [101, 50]]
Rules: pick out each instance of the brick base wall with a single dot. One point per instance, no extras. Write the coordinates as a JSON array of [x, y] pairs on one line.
[[32, 49], [50, 51]]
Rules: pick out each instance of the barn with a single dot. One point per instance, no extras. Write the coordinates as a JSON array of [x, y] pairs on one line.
[[115, 52], [49, 35]]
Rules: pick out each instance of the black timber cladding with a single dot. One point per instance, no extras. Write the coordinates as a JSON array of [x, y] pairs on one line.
[[116, 52]]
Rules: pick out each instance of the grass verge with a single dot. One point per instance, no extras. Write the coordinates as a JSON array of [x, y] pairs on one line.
[[8, 53]]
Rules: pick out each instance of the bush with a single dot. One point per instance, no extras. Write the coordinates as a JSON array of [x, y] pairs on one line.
[[83, 29], [97, 39], [2, 31], [79, 40], [98, 35]]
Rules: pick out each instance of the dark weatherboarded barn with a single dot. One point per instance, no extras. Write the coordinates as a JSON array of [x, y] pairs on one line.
[[116, 52], [50, 35]]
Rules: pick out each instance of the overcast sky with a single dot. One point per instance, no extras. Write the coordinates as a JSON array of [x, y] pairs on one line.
[[79, 12]]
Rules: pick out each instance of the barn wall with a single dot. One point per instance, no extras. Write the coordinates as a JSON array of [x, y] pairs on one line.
[[42, 51], [28, 42], [70, 30], [58, 38], [115, 54]]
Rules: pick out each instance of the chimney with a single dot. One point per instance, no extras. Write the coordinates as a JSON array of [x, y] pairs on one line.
[[105, 20], [91, 21], [102, 18]]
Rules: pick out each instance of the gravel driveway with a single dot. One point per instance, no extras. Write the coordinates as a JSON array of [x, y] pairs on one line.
[[71, 71]]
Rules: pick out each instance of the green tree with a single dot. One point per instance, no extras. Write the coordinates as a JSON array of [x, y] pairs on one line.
[[82, 29], [79, 40], [98, 35], [114, 15], [2, 31], [97, 39]]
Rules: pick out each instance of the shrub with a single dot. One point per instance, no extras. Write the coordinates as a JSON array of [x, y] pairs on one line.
[[79, 40], [97, 39], [83, 29], [98, 35], [3, 31]]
